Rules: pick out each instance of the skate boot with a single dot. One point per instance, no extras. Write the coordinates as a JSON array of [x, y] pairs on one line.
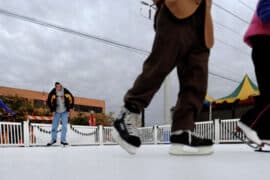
[[51, 142], [255, 123], [184, 142], [64, 143], [125, 132]]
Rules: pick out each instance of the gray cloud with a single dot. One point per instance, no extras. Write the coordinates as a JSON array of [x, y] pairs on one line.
[[32, 56]]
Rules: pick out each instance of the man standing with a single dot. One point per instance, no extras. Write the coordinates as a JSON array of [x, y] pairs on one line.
[[184, 36], [60, 102]]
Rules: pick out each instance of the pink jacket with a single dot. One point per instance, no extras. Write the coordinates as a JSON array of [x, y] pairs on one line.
[[256, 27]]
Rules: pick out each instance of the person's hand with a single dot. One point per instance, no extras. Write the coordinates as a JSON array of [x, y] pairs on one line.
[[53, 113]]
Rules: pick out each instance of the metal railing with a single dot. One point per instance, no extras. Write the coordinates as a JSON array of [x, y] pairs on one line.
[[33, 134], [147, 135], [40, 134], [205, 129], [228, 130], [163, 134], [11, 134], [107, 135]]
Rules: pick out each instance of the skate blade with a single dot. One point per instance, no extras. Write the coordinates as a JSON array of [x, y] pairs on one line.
[[179, 149], [64, 146], [126, 146], [266, 142], [262, 150], [250, 134]]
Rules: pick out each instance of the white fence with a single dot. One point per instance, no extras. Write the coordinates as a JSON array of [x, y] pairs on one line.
[[206, 129], [225, 133], [40, 134], [11, 134], [25, 134]]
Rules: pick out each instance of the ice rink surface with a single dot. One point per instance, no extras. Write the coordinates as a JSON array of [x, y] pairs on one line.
[[229, 162]]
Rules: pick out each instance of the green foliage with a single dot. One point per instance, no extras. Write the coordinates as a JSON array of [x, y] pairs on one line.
[[20, 106], [101, 119], [80, 119]]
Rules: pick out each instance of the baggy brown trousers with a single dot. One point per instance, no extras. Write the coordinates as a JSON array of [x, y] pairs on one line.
[[178, 43]]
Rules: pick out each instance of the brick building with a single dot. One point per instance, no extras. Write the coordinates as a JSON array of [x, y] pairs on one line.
[[39, 100]]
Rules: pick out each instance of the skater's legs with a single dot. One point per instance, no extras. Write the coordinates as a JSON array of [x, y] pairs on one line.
[[255, 122], [55, 124], [193, 76], [64, 119], [173, 39], [260, 57]]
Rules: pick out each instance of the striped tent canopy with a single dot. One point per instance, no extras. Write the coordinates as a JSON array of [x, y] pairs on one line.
[[208, 100], [244, 91]]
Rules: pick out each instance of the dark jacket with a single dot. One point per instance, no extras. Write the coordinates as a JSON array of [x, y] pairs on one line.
[[52, 100]]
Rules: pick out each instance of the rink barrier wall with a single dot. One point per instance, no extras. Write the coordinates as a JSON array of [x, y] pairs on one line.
[[37, 134]]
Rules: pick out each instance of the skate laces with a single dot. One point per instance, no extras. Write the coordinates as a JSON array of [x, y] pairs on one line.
[[193, 137], [130, 120]]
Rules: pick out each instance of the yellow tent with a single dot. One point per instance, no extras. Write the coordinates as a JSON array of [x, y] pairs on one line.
[[209, 98], [245, 90]]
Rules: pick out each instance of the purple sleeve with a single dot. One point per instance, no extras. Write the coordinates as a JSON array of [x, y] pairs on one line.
[[263, 10], [6, 108]]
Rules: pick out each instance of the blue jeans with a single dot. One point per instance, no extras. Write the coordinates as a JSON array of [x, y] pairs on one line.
[[64, 118]]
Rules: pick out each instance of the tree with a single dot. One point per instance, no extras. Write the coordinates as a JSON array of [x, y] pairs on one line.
[[101, 119], [20, 106], [80, 119]]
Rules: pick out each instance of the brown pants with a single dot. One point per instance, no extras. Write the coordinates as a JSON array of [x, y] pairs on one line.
[[180, 44]]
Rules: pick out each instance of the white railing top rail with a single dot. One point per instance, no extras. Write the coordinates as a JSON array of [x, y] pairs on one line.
[[198, 123], [41, 124], [149, 127], [10, 123], [205, 122], [165, 126], [230, 120], [105, 127]]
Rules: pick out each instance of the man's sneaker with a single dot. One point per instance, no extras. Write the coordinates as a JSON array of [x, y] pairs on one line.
[[51, 142], [255, 123], [184, 142], [64, 143], [125, 132]]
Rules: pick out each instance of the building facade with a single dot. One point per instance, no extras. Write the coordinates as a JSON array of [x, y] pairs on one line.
[[84, 105]]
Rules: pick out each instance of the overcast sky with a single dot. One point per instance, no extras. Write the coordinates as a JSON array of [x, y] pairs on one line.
[[33, 56]]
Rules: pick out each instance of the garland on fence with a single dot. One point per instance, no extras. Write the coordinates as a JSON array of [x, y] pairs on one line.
[[71, 127], [46, 131], [82, 133]]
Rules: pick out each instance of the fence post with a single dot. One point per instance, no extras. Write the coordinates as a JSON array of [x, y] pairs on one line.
[[217, 130], [155, 135], [26, 133], [100, 135]]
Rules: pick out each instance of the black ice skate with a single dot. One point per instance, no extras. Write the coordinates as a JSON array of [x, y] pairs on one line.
[[64, 143], [52, 142], [125, 132], [255, 123], [186, 143]]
